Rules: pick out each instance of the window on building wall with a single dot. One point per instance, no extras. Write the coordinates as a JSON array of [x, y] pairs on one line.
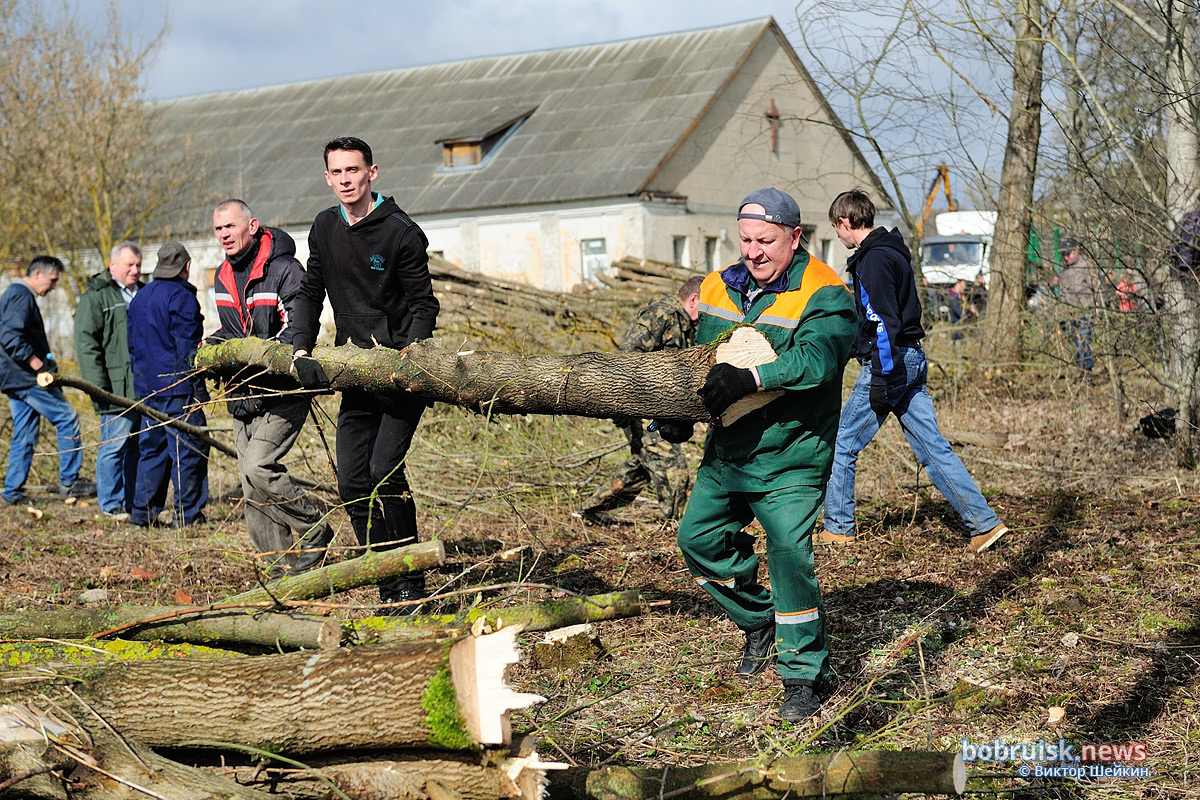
[[594, 258], [826, 250], [473, 146], [679, 250], [711, 253]]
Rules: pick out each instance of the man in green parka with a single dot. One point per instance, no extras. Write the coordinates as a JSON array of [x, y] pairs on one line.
[[772, 463], [102, 349]]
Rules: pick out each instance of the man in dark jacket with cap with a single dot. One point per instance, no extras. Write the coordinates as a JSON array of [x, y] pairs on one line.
[[370, 258], [256, 285], [102, 349], [24, 354], [892, 378], [165, 329]]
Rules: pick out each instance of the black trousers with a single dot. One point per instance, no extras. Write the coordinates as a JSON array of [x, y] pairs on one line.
[[373, 436]]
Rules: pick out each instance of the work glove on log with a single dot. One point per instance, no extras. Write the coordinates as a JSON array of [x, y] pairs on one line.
[[887, 391], [675, 431], [724, 386], [310, 373]]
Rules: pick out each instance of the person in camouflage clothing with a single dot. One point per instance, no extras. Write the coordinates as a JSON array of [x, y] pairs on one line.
[[661, 325]]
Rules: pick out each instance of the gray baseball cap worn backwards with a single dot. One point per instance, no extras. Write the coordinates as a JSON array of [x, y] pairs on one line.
[[779, 206]]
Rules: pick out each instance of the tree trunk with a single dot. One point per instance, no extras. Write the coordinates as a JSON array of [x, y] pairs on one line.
[[418, 776], [651, 385], [1006, 291], [819, 775], [538, 617], [238, 626], [369, 568], [1183, 185], [95, 763], [448, 695]]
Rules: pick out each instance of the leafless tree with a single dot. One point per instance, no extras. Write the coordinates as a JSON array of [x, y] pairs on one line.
[[78, 147]]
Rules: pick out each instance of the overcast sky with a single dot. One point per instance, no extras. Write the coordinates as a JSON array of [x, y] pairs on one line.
[[218, 45]]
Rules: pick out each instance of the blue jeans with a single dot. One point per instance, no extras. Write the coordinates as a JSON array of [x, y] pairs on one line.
[[28, 406], [116, 461], [168, 456], [1080, 332], [858, 426]]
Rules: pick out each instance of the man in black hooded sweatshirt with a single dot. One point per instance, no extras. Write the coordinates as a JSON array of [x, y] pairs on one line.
[[371, 260], [892, 378]]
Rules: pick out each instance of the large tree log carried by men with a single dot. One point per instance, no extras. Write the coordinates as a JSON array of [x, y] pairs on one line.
[[658, 385]]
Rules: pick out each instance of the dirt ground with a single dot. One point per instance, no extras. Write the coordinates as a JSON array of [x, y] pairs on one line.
[[1084, 625]]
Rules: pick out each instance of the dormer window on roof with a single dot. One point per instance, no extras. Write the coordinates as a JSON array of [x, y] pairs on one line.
[[474, 147]]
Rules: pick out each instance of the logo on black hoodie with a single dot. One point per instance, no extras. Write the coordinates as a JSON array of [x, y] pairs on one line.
[[377, 262]]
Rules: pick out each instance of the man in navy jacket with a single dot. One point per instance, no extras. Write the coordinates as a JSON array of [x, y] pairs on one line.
[[24, 353], [165, 329]]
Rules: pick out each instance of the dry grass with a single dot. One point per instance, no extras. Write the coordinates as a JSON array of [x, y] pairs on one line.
[[1090, 606]]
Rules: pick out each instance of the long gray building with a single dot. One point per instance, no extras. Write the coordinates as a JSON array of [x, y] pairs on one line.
[[543, 167]]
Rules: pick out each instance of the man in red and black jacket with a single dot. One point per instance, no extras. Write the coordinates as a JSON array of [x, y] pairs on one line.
[[255, 288], [370, 258]]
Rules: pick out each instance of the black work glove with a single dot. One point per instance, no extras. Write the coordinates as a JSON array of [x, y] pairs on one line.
[[724, 386], [624, 422], [675, 431], [310, 373], [49, 365], [887, 391]]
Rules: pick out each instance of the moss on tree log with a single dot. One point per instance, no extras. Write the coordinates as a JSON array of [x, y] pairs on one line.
[[817, 775], [535, 617]]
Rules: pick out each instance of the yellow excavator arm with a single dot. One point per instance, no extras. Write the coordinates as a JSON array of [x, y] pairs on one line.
[[941, 180]]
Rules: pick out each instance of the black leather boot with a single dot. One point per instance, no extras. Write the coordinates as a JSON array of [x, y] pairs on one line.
[[398, 590], [313, 547], [800, 701], [759, 652]]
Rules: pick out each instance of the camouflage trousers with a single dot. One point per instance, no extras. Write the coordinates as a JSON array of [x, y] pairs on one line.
[[652, 461]]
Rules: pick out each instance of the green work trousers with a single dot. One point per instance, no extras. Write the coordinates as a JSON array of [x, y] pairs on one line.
[[720, 555]]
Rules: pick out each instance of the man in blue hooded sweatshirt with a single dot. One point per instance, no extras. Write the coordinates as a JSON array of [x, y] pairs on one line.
[[892, 378]]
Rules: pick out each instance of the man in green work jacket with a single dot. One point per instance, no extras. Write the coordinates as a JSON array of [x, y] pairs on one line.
[[772, 463], [102, 349]]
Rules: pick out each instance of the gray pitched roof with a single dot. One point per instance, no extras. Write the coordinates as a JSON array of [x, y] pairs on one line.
[[605, 116]]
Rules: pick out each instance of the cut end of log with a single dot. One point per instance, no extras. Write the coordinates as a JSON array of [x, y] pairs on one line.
[[959, 775], [477, 668], [329, 636], [746, 348], [45, 379]]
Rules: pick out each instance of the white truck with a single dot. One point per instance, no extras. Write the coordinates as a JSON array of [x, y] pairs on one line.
[[960, 249]]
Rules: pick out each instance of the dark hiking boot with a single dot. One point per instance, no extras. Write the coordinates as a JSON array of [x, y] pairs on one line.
[[759, 652], [80, 488], [401, 590], [591, 516], [314, 547], [799, 701]]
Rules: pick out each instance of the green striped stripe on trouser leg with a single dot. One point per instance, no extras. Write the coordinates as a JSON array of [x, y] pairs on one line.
[[720, 555]]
